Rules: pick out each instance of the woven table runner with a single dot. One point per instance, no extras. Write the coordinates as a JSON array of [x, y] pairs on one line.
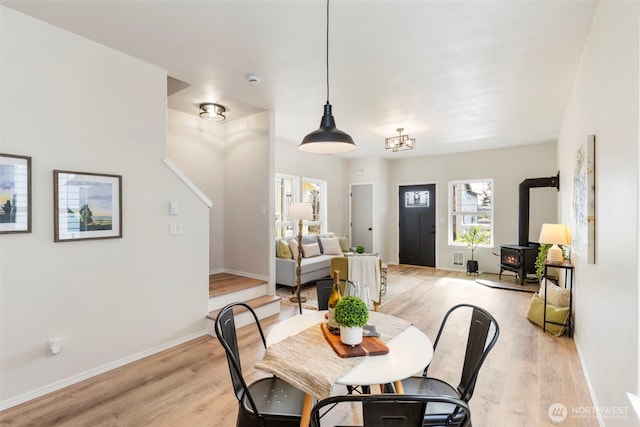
[[307, 361]]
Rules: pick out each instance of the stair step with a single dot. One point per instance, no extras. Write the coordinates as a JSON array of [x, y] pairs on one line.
[[254, 303], [264, 306], [239, 294]]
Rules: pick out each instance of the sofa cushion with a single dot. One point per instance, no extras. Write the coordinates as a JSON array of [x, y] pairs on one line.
[[555, 295], [330, 246], [344, 243], [310, 250], [554, 314], [283, 250], [293, 245]]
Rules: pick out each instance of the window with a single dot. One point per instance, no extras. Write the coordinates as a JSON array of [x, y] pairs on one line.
[[285, 191], [313, 191], [470, 205]]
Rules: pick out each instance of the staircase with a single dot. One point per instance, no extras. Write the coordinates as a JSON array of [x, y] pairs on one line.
[[226, 288]]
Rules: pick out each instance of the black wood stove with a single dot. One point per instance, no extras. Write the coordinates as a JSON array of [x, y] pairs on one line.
[[521, 258]]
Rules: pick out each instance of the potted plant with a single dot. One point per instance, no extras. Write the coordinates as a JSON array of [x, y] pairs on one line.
[[540, 259], [472, 238], [351, 314], [359, 249]]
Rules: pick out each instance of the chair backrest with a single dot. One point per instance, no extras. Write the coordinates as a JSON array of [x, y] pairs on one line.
[[225, 329], [324, 287], [391, 410], [483, 335]]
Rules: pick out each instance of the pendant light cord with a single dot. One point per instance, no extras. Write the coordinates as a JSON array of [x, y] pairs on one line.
[[327, 51]]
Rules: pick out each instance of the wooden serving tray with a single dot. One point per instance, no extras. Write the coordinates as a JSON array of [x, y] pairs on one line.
[[370, 346]]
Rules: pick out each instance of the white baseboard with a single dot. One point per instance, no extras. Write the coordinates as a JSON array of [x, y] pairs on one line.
[[25, 397], [576, 341]]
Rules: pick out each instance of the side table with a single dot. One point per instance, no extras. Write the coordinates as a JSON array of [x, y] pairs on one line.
[[568, 284]]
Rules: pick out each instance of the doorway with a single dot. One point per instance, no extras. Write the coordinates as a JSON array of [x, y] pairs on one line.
[[361, 196], [417, 225]]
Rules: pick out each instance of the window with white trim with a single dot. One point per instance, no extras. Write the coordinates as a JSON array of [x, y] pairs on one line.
[[289, 189], [313, 191], [285, 191], [470, 205]]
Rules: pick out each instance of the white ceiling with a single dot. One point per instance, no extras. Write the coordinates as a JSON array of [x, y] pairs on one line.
[[456, 75]]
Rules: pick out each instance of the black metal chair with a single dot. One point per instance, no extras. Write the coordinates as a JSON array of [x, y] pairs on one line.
[[482, 336], [267, 401], [390, 410]]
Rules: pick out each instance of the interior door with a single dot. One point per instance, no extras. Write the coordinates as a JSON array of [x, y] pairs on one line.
[[362, 216], [417, 234]]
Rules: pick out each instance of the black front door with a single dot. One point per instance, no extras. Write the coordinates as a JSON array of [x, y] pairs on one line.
[[418, 224]]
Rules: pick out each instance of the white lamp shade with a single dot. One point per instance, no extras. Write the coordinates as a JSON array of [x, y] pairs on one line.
[[555, 234], [300, 211]]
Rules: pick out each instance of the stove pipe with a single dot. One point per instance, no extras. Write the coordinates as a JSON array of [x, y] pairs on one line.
[[523, 210]]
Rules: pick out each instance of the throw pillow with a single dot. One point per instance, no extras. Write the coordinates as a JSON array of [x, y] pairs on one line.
[[311, 250], [344, 244], [554, 314], [555, 295], [282, 250], [293, 245], [331, 246]]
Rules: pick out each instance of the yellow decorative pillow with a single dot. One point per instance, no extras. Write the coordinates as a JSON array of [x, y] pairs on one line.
[[282, 250], [554, 314], [344, 244]]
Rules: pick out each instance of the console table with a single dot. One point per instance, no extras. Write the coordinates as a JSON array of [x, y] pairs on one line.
[[568, 284]]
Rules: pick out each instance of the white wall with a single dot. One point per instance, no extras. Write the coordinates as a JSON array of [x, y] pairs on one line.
[[197, 147], [248, 201], [375, 171], [75, 105], [507, 167], [605, 102]]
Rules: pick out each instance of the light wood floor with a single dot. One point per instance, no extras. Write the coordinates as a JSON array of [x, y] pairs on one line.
[[189, 385]]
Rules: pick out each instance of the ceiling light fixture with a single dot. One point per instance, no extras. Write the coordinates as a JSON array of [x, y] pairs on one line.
[[211, 111], [327, 138], [400, 142]]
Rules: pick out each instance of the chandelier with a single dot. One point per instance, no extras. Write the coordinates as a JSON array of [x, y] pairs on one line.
[[400, 142]]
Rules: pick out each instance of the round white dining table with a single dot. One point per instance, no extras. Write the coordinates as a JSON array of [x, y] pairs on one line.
[[409, 352]]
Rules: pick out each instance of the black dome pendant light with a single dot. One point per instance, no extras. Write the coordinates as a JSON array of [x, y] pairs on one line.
[[327, 138]]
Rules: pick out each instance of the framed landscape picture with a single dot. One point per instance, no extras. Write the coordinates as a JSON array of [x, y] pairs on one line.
[[86, 206], [15, 194]]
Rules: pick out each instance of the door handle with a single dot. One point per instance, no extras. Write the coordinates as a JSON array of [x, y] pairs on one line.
[[370, 228]]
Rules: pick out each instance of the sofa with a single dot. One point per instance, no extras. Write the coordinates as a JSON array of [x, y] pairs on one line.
[[316, 257]]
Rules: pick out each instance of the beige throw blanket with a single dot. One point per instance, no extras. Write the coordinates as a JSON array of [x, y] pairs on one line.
[[308, 362], [365, 269]]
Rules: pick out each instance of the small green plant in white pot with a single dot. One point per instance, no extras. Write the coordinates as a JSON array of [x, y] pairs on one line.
[[351, 314], [472, 238]]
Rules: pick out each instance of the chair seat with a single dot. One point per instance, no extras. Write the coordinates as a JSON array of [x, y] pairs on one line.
[[436, 412], [275, 399]]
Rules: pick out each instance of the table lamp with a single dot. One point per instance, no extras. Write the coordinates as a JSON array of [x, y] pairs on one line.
[[299, 211], [555, 234]]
